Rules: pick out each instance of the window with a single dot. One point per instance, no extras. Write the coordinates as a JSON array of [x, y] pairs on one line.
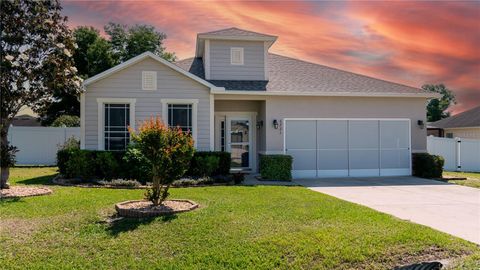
[[236, 56], [117, 120], [149, 80], [449, 135], [180, 115]]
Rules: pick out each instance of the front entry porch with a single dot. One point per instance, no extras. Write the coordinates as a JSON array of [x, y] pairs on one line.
[[237, 130]]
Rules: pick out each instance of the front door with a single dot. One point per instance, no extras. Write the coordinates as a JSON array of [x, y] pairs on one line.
[[238, 141], [234, 134]]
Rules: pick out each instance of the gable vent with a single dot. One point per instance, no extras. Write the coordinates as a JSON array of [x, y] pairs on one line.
[[236, 56], [149, 80]]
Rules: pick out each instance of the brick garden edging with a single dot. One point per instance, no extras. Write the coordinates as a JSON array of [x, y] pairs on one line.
[[124, 211]]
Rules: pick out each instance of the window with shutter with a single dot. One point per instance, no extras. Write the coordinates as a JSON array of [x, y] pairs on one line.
[[236, 56], [149, 80]]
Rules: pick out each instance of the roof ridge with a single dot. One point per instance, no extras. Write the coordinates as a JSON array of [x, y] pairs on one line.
[[236, 28], [354, 73]]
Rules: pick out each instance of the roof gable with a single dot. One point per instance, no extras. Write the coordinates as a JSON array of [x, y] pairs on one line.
[[140, 58], [470, 118]]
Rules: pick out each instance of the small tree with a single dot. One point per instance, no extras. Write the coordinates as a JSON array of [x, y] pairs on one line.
[[168, 150], [437, 108]]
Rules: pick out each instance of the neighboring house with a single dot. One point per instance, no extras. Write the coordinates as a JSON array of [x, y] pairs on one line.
[[463, 125], [26, 118], [235, 96]]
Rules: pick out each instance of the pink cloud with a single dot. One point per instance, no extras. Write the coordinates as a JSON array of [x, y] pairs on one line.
[[407, 42]]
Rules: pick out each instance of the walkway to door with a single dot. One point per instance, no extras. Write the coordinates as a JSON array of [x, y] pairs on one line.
[[446, 207]]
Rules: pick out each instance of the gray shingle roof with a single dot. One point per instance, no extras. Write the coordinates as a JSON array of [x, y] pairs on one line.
[[292, 75], [470, 118], [233, 31]]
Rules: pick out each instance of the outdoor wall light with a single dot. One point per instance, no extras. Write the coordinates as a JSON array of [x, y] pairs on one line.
[[260, 124], [421, 124], [275, 124]]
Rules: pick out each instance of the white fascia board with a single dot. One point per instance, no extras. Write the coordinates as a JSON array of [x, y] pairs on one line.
[[325, 94], [139, 58], [474, 127]]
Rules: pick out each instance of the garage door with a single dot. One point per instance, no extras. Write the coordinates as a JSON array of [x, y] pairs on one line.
[[348, 147]]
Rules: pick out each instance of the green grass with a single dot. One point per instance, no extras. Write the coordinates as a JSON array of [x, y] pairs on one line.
[[473, 178], [236, 227]]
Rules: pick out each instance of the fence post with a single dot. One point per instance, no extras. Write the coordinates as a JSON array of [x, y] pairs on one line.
[[458, 153]]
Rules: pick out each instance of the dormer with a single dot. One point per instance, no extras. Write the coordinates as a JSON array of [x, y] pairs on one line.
[[234, 54]]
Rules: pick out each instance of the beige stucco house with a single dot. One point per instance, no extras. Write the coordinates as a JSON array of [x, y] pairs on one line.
[[236, 96], [463, 125]]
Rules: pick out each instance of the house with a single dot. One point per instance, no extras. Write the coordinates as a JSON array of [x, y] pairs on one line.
[[26, 118], [236, 96], [463, 125]]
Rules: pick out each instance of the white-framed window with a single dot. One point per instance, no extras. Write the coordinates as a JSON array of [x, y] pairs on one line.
[[115, 116], [181, 113], [149, 80], [116, 123], [236, 56], [449, 135]]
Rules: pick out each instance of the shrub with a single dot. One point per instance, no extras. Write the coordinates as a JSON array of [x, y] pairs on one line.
[[238, 177], [204, 165], [223, 167], [136, 166], [168, 151], [276, 167], [66, 121], [64, 153], [106, 165], [80, 164], [427, 166]]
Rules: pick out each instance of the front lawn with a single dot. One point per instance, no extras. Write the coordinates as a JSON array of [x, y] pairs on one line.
[[473, 178], [237, 227]]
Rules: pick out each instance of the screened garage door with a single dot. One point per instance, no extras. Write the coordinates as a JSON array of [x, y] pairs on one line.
[[344, 147]]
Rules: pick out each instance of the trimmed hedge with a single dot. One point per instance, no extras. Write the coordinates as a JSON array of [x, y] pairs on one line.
[[276, 167], [88, 164], [224, 162], [427, 166]]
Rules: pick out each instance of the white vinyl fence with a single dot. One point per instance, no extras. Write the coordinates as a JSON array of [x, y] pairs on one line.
[[459, 154], [38, 145]]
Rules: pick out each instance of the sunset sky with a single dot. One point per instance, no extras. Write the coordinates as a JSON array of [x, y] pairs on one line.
[[407, 42]]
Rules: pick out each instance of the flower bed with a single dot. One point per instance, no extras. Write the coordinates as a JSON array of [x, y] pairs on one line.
[[144, 209]]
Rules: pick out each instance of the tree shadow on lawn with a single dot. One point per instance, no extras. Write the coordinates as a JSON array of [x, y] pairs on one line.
[[4, 201], [118, 225], [41, 180]]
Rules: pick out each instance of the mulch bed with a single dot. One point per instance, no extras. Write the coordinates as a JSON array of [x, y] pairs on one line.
[[21, 191], [144, 209]]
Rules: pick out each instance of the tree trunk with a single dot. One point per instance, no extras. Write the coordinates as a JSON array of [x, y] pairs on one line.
[[5, 173], [4, 178]]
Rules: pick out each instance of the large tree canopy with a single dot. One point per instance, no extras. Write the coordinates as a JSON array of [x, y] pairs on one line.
[[128, 42], [96, 54], [36, 61], [437, 108]]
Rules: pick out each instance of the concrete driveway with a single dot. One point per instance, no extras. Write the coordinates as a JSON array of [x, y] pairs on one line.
[[446, 207]]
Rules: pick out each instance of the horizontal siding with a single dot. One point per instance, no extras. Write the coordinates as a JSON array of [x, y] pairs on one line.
[[252, 69], [127, 84]]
